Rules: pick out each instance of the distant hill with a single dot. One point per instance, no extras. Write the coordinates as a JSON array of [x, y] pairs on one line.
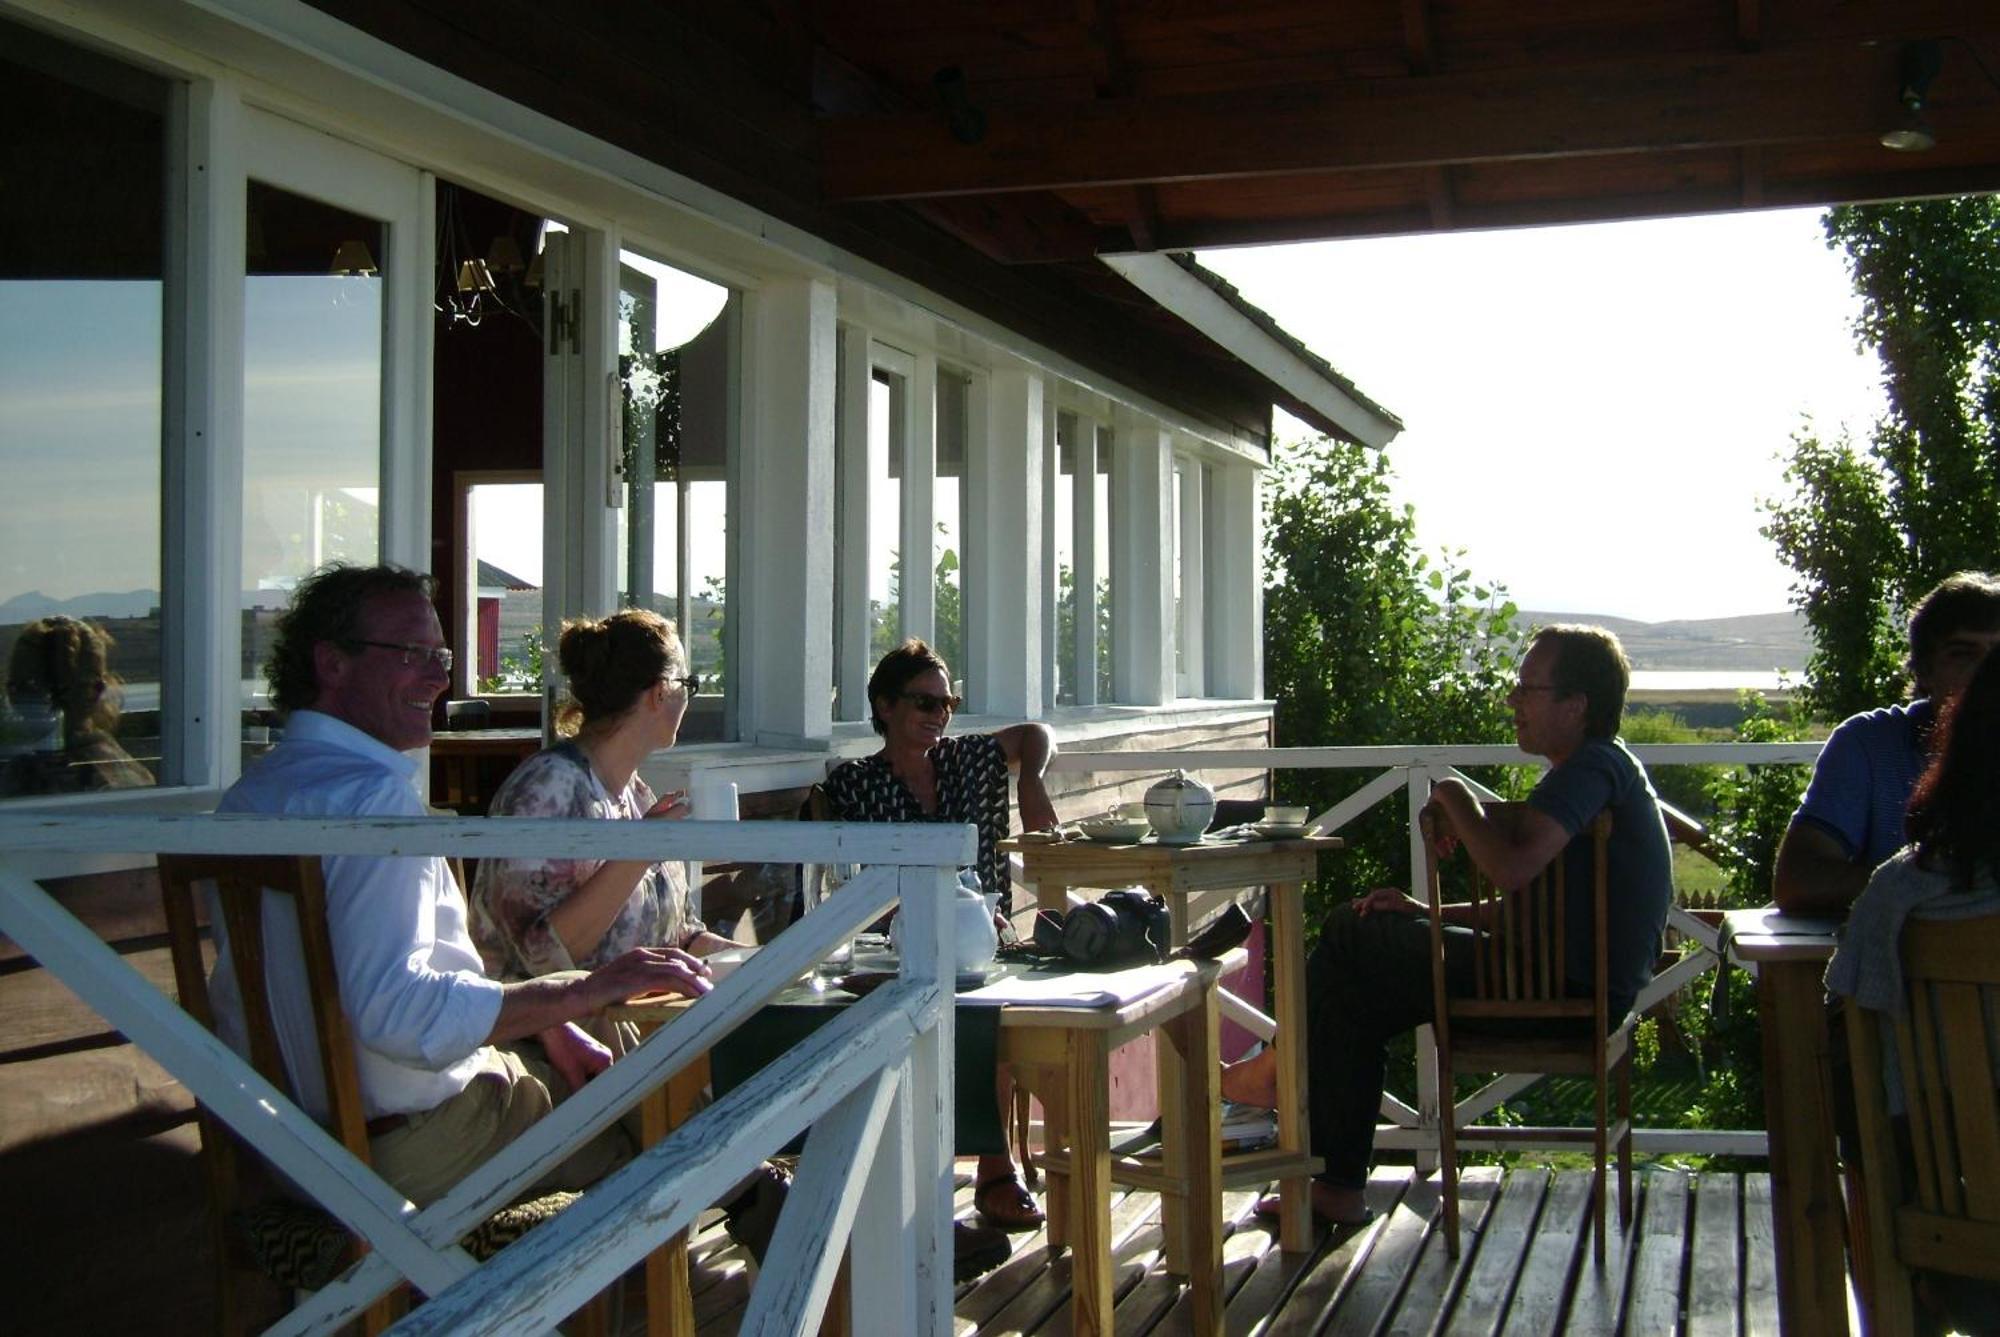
[[34, 604], [1759, 642]]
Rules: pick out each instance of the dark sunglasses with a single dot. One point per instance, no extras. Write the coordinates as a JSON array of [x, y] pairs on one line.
[[933, 705]]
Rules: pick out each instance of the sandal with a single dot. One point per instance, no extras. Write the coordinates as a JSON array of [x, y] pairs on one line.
[[1005, 1202]]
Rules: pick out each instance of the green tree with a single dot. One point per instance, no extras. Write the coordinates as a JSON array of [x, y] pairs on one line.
[[1367, 639], [1868, 530]]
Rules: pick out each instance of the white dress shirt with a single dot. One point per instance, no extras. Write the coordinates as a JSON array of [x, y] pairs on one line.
[[416, 999]]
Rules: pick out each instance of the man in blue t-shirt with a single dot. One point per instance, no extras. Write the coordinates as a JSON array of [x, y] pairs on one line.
[[1369, 979], [1851, 817]]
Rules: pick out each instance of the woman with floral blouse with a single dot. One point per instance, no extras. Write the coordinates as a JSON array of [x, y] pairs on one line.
[[629, 688]]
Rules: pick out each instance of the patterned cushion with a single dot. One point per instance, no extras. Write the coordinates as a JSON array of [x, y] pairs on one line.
[[300, 1245]]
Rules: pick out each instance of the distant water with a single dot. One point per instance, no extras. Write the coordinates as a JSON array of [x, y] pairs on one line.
[[1707, 680]]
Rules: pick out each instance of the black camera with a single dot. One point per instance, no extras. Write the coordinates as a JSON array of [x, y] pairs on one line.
[[1122, 927]]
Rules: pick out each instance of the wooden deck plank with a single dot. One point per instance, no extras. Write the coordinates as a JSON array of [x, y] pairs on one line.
[[1541, 1294], [1159, 1304], [1031, 1291], [1655, 1302], [1435, 1278], [1338, 1260], [1597, 1296], [1715, 1285], [1489, 1274], [1398, 1244], [1760, 1261]]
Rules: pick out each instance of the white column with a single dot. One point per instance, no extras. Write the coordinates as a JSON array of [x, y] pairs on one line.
[[785, 515], [202, 648], [856, 386], [1191, 625], [1142, 610], [1004, 589], [1084, 652], [1235, 584]]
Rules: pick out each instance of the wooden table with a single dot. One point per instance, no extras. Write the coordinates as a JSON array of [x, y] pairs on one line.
[[1067, 1050], [669, 1296], [1068, 1047], [1193, 880], [1807, 1216]]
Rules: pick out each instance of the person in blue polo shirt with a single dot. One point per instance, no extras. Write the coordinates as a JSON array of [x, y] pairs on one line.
[[1851, 817]]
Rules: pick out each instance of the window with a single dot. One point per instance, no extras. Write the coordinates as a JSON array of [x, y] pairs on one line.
[[948, 519], [312, 408], [888, 408], [83, 246], [673, 364]]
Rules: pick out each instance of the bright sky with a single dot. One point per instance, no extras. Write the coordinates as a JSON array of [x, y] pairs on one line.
[[1593, 413]]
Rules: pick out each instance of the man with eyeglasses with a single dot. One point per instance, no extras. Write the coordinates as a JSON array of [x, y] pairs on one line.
[[1369, 979], [453, 1065]]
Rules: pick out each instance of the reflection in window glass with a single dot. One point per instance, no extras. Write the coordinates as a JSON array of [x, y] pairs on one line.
[[81, 262], [886, 394], [312, 408], [673, 544], [506, 545], [948, 519]]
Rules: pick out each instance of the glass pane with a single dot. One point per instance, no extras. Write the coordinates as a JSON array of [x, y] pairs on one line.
[[506, 544], [82, 246], [885, 513], [1063, 523], [1102, 546], [948, 520], [673, 359], [312, 410]]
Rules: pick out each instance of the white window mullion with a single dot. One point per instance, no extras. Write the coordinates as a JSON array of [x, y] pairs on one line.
[[856, 392], [203, 475], [1191, 562], [1051, 479]]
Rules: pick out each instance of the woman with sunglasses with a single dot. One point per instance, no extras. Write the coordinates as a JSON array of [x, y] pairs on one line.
[[920, 775], [629, 687]]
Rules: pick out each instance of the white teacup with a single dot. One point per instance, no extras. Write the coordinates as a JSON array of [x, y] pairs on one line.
[[1287, 815]]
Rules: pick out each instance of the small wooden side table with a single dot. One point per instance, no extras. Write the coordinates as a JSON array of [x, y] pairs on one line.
[[1192, 880], [1068, 1051]]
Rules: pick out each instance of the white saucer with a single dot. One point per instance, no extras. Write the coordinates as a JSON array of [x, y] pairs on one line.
[[1281, 830]]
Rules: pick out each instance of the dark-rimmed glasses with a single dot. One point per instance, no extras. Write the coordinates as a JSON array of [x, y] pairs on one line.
[[931, 704], [412, 654], [690, 684]]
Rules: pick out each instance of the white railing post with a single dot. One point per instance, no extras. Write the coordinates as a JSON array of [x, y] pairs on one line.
[[1433, 1104], [928, 954]]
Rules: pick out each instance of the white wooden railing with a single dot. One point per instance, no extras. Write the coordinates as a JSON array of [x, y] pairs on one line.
[[872, 1089], [1412, 770]]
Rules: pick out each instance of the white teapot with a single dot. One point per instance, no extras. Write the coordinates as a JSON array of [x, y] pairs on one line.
[[976, 940], [1180, 808]]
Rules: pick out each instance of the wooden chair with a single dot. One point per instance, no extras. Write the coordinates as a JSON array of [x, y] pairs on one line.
[[1932, 1173], [254, 1229], [1519, 978]]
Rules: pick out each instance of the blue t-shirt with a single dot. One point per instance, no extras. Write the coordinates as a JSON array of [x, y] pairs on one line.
[[1861, 784], [1599, 775]]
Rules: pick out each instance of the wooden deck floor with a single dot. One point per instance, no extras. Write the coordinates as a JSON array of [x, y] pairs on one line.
[[1697, 1260]]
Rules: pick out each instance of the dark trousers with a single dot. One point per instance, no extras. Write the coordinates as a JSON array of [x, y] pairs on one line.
[[1367, 982]]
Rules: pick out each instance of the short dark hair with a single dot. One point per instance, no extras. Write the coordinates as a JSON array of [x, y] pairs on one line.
[[1955, 810], [327, 606], [1963, 601], [609, 661], [893, 674], [1590, 661]]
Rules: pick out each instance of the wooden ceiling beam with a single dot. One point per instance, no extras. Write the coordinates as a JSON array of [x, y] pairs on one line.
[[1649, 104]]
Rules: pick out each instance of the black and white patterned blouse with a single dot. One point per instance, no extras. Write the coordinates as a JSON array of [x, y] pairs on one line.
[[971, 787]]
